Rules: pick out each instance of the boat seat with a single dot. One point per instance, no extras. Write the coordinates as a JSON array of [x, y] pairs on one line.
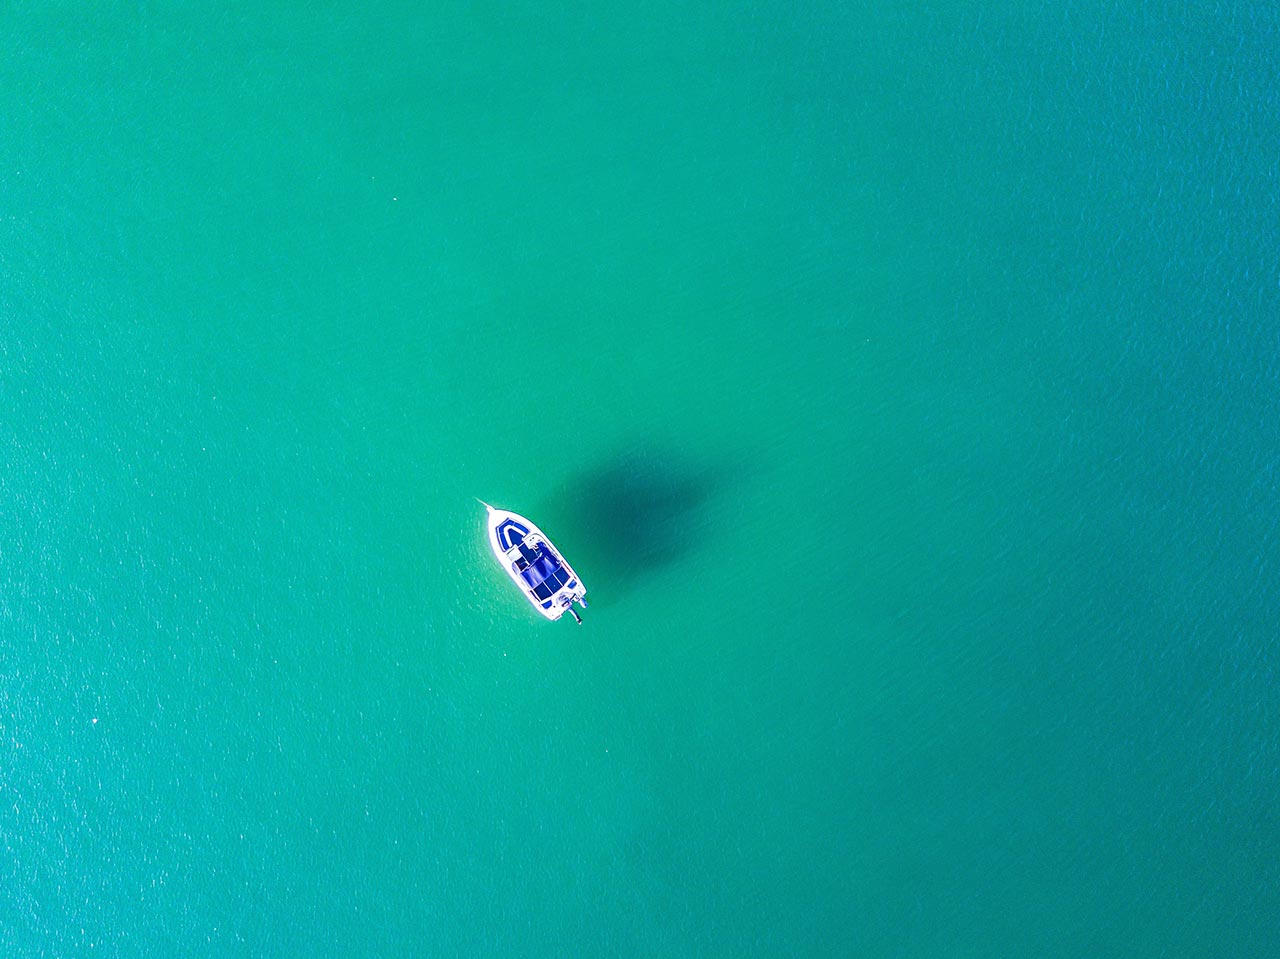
[[542, 567]]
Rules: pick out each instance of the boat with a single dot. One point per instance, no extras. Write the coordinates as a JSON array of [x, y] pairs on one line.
[[537, 568]]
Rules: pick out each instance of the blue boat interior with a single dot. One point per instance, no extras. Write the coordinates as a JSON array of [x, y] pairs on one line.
[[510, 533], [541, 570]]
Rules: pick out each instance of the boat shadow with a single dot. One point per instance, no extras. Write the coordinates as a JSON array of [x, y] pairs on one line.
[[631, 515]]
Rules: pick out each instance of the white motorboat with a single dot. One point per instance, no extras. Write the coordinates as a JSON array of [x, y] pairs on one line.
[[537, 568]]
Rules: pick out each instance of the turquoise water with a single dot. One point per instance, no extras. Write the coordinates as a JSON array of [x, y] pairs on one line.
[[902, 379]]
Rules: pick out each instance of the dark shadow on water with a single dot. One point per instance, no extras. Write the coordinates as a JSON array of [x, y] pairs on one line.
[[632, 514]]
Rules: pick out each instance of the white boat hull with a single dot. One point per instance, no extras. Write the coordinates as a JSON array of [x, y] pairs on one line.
[[533, 563]]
